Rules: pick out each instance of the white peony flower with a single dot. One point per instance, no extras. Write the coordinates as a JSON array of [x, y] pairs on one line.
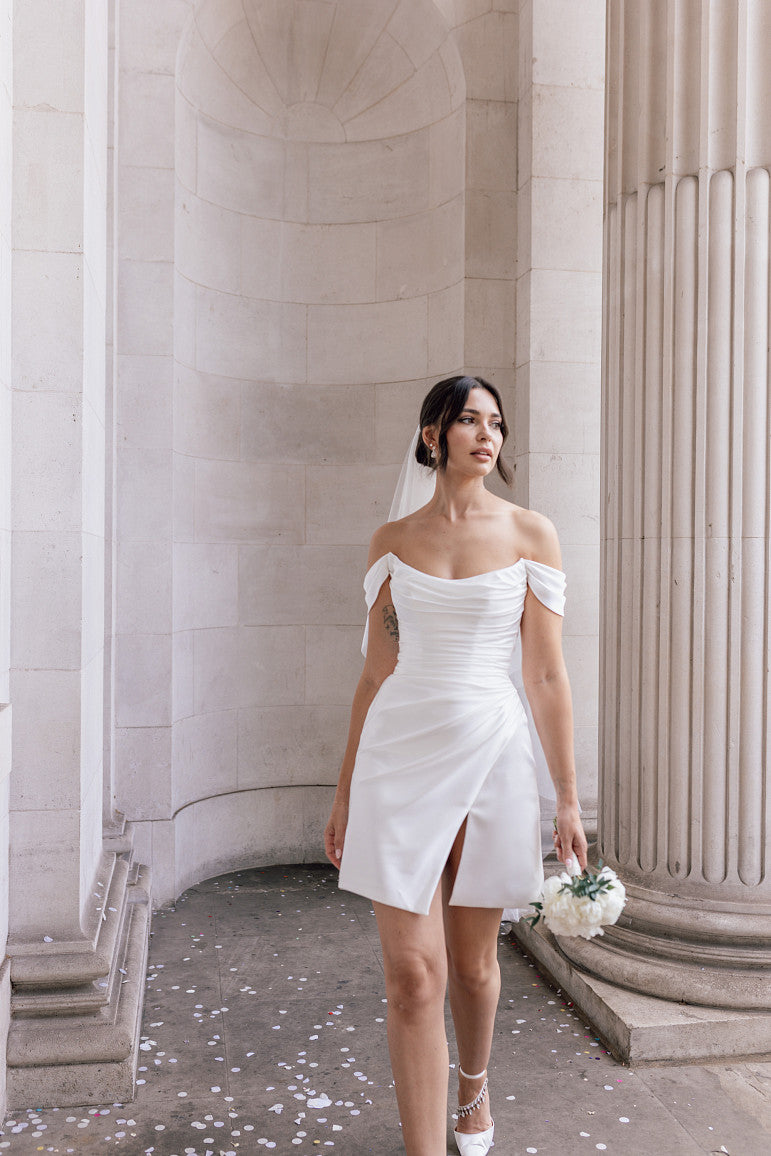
[[581, 904]]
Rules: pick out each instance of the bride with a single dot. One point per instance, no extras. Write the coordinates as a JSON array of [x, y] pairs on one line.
[[436, 815]]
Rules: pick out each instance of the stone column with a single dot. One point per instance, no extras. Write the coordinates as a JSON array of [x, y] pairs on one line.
[[6, 212], [78, 911], [684, 811]]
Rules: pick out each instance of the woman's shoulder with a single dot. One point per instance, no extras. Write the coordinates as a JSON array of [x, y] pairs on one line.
[[533, 535], [538, 536], [393, 537], [385, 540]]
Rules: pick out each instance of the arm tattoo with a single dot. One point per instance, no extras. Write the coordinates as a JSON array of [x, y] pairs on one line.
[[391, 622]]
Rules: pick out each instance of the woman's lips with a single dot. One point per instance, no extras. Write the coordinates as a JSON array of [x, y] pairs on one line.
[[482, 454]]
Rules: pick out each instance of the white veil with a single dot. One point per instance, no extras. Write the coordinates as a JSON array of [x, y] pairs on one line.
[[415, 487]]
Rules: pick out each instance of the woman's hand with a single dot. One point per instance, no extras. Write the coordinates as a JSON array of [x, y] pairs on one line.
[[569, 838], [334, 833]]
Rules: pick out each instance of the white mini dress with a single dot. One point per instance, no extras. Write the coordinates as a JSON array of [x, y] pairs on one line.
[[446, 738]]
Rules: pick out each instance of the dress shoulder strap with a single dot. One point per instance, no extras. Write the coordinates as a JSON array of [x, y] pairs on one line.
[[547, 583], [373, 581]]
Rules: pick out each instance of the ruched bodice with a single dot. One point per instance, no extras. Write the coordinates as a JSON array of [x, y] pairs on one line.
[[450, 634], [462, 626], [446, 739]]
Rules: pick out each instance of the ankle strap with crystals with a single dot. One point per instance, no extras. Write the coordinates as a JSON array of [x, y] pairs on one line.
[[467, 1109]]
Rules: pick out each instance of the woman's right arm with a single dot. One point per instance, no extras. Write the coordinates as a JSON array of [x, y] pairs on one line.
[[382, 653]]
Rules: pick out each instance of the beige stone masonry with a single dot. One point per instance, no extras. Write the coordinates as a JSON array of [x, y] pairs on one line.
[[686, 625], [76, 1006], [319, 270]]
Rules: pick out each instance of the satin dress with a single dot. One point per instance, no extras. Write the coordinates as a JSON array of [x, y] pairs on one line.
[[446, 738]]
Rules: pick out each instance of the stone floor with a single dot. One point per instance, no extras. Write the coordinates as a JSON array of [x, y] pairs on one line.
[[264, 1030]]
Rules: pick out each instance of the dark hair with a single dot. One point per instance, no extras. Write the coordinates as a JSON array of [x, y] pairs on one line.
[[442, 405]]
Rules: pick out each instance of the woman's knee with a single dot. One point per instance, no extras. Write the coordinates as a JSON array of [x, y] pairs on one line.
[[415, 983], [474, 973]]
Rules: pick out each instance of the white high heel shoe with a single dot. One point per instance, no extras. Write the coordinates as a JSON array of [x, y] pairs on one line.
[[474, 1143]]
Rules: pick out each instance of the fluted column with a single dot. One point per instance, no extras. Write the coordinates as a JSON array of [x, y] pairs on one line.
[[684, 731]]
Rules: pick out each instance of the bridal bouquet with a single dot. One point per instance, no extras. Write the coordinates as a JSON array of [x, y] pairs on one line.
[[581, 904]]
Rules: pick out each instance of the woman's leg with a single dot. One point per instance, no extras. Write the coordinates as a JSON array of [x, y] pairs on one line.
[[415, 964], [471, 935]]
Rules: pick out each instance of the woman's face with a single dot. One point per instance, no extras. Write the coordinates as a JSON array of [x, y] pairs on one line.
[[474, 439]]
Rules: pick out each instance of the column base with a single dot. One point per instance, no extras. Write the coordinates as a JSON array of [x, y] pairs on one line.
[[5, 1015], [679, 980], [684, 949], [76, 1014], [641, 1029]]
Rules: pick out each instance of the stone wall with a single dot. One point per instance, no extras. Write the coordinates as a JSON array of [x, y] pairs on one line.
[[321, 170], [319, 264], [6, 377], [248, 236], [558, 330]]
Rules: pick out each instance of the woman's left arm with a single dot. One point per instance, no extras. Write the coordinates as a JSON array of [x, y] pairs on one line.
[[547, 687]]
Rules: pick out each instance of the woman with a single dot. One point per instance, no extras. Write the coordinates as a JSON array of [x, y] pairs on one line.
[[436, 815]]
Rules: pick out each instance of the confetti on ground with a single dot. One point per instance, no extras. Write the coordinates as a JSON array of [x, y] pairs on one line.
[[283, 949]]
